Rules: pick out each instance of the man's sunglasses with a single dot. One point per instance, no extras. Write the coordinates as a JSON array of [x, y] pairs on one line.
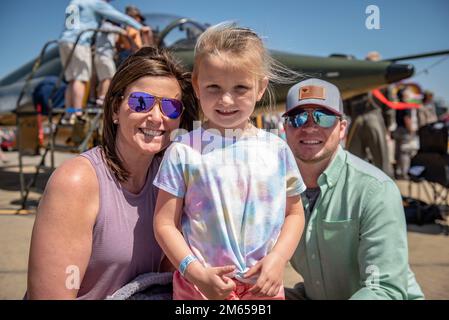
[[144, 102], [322, 118]]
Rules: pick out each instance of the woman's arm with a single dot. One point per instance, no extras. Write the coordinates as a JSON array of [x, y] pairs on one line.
[[62, 234], [210, 281], [271, 267]]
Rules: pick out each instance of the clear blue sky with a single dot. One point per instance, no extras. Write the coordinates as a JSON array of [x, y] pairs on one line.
[[310, 27]]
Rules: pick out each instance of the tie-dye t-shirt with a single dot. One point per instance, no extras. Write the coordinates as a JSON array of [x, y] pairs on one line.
[[234, 194]]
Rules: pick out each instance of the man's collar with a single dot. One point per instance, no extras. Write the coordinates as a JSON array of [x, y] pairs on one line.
[[334, 169]]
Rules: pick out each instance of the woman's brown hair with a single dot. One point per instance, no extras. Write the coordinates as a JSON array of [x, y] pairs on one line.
[[148, 61]]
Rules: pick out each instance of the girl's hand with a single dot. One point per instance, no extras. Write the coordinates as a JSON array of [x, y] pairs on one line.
[[214, 284], [271, 275]]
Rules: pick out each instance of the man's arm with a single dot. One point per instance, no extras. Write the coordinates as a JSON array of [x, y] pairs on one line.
[[383, 251], [108, 27], [107, 11]]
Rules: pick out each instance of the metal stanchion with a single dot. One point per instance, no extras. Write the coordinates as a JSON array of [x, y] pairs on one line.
[[25, 189]]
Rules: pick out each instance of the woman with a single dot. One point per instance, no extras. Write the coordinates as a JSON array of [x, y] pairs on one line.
[[93, 228]]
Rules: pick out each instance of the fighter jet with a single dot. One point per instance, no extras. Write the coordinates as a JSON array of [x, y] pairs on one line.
[[179, 34]]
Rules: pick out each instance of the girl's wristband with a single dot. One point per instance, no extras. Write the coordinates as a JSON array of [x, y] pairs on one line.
[[185, 263]]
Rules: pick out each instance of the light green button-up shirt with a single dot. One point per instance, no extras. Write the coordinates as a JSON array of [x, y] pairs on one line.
[[354, 245]]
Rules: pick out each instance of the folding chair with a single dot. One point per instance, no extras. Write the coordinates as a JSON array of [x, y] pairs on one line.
[[431, 165]]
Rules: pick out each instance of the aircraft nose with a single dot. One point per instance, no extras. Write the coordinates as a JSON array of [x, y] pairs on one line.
[[397, 71]]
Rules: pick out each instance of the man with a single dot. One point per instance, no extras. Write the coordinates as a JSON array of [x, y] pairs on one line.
[[138, 40], [82, 15], [368, 135], [427, 114], [354, 245], [405, 135], [104, 57], [145, 39]]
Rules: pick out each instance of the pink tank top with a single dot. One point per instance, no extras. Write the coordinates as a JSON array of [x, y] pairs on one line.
[[123, 244]]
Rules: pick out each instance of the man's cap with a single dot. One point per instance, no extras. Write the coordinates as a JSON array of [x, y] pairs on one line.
[[314, 92], [134, 11]]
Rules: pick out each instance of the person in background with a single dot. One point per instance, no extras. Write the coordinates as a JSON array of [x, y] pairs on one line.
[[405, 134], [133, 39], [367, 137], [2, 155], [104, 57], [427, 113], [81, 15]]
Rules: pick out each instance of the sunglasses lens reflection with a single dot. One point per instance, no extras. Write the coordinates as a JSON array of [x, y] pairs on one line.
[[144, 102], [140, 102], [324, 120], [172, 108]]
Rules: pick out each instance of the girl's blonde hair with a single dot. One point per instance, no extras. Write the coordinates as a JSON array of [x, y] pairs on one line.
[[243, 49]]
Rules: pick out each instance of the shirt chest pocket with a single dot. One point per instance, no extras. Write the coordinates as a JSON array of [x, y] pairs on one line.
[[339, 246], [340, 233]]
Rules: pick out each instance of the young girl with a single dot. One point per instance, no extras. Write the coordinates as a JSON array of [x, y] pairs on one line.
[[234, 188]]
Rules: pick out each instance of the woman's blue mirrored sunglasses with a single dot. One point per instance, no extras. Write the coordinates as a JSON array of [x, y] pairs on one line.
[[144, 102]]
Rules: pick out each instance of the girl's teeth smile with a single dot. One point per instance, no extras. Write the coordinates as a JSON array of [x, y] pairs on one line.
[[227, 112]]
